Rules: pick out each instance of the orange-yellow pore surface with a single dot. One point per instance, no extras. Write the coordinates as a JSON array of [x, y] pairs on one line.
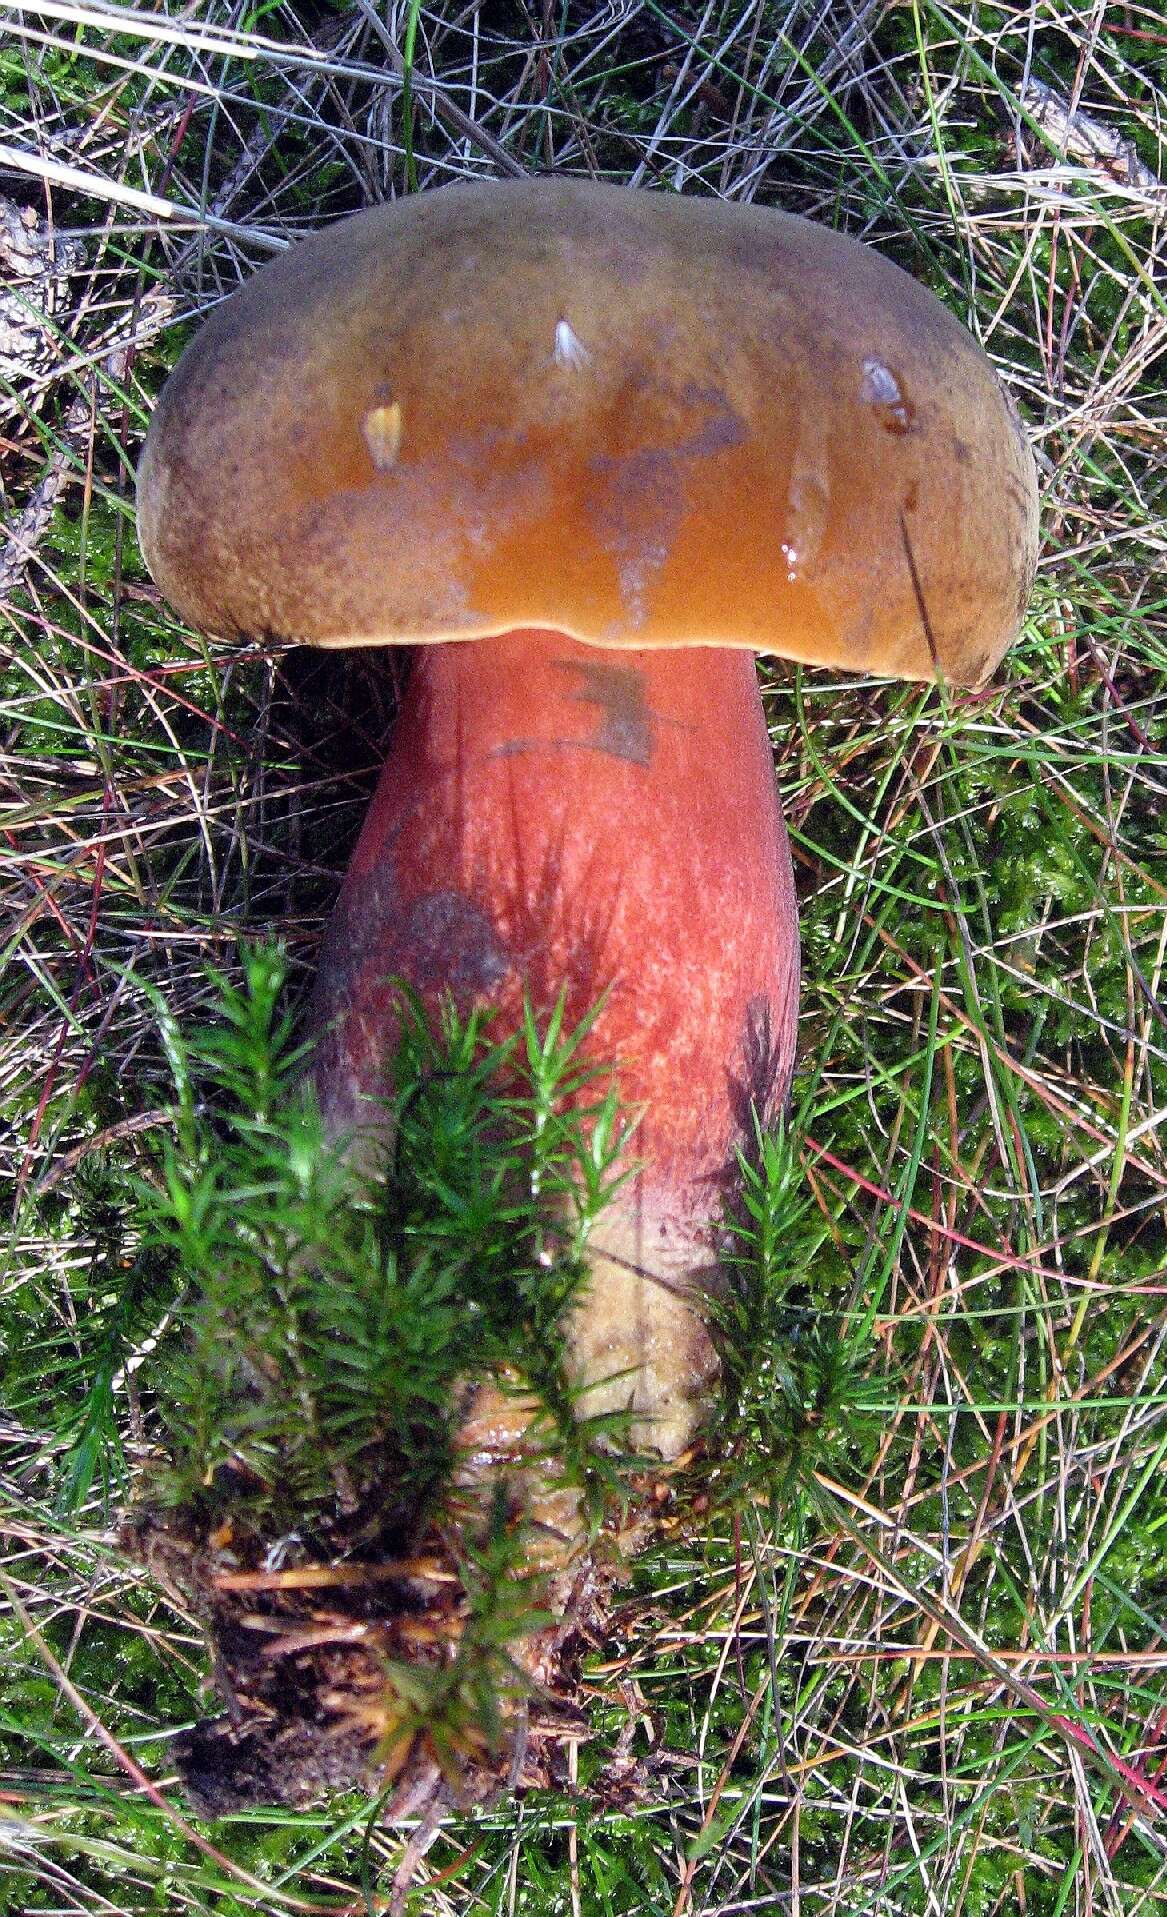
[[634, 418]]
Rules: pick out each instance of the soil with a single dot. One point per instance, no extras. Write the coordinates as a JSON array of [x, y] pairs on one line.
[[308, 1656]]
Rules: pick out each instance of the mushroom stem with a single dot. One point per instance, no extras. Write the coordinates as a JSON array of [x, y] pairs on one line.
[[555, 817]]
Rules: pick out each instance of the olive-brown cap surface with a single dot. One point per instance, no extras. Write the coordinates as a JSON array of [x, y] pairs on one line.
[[634, 418]]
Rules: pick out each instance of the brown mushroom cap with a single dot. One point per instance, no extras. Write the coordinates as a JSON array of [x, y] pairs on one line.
[[637, 419]]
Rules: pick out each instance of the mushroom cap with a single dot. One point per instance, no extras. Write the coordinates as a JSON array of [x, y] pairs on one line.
[[634, 418]]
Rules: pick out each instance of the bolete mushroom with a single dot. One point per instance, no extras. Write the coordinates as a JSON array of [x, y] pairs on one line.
[[620, 441]]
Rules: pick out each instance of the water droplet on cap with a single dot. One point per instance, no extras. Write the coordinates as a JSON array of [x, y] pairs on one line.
[[569, 348], [807, 514], [881, 389], [381, 428]]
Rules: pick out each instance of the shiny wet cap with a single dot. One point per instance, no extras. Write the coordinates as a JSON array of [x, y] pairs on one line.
[[636, 418]]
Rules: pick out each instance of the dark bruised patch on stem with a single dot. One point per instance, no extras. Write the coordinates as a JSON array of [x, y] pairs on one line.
[[448, 941], [759, 1090], [627, 721], [763, 1086], [440, 942]]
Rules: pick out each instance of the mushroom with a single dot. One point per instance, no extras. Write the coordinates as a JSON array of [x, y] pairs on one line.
[[620, 441]]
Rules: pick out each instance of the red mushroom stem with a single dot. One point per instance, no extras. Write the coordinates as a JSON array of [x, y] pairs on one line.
[[554, 815]]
